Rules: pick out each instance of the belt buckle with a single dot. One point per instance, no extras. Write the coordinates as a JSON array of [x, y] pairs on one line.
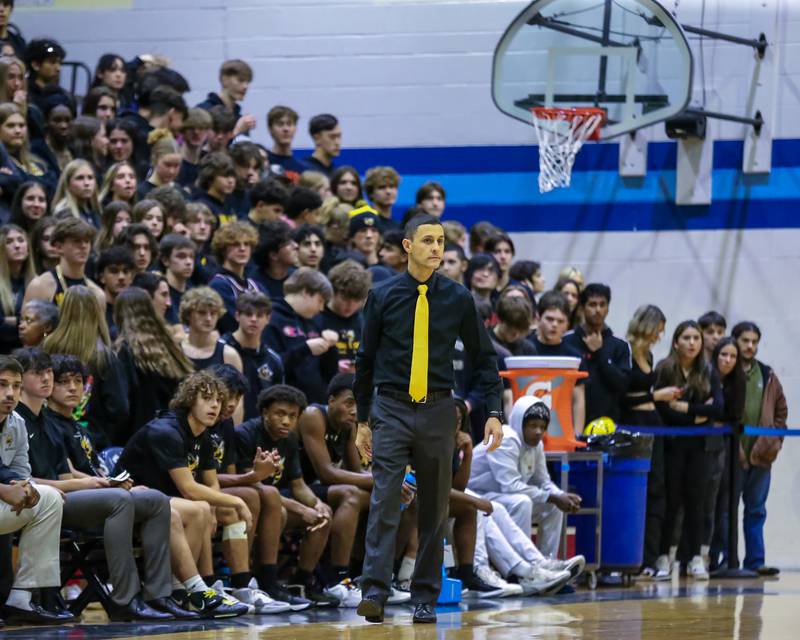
[[423, 401]]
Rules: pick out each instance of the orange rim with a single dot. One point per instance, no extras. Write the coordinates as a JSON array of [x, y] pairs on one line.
[[570, 114]]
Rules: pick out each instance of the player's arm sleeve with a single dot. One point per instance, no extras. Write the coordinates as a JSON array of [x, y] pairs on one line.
[[481, 354], [365, 357]]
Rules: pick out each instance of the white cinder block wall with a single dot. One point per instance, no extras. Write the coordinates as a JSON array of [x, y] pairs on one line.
[[406, 73]]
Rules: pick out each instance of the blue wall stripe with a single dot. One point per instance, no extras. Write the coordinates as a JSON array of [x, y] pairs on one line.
[[633, 216], [524, 158]]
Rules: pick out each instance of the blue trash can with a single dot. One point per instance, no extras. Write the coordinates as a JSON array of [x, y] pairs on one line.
[[624, 508]]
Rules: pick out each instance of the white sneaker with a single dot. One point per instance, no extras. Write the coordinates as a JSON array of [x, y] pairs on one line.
[[348, 594], [398, 596], [574, 565], [542, 582], [259, 600], [697, 568], [230, 599], [494, 579], [663, 568], [646, 574]]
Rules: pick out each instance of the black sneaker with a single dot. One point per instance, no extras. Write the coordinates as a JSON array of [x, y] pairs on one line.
[[282, 594], [477, 588], [313, 592], [203, 603]]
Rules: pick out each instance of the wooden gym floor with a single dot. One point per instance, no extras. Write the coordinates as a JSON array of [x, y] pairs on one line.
[[681, 610]]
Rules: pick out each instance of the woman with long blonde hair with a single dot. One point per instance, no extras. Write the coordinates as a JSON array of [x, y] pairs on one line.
[[153, 361], [119, 183], [76, 193], [165, 161], [82, 331], [16, 271], [13, 85]]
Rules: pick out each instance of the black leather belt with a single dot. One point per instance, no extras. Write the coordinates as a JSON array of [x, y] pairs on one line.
[[403, 396]]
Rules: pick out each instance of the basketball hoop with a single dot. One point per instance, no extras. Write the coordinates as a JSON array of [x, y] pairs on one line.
[[561, 132]]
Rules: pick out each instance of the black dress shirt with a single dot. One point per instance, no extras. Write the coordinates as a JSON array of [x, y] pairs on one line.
[[384, 354]]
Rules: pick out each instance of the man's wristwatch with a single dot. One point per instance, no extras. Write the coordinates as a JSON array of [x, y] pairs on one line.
[[496, 414]]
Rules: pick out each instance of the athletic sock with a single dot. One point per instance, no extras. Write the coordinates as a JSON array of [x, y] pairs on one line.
[[301, 576], [20, 599], [406, 569], [240, 580], [267, 576], [465, 571], [336, 575], [195, 584]]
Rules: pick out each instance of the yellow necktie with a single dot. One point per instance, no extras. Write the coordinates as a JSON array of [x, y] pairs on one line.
[[418, 384]]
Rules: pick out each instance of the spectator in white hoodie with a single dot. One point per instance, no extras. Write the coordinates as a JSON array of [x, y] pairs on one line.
[[516, 476]]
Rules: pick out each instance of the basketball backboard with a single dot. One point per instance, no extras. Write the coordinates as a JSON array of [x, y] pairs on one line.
[[628, 57]]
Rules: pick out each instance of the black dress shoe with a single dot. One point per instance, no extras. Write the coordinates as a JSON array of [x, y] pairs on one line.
[[136, 609], [35, 615], [425, 614], [371, 607], [168, 605]]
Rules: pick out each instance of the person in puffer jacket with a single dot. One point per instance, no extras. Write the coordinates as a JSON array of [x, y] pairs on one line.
[[516, 476]]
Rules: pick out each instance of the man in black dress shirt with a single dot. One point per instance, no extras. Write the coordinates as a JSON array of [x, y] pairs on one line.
[[411, 324]]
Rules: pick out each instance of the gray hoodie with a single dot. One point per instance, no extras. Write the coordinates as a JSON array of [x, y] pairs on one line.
[[14, 463], [514, 467]]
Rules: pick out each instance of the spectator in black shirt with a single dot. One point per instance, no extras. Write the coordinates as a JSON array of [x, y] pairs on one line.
[[714, 326], [233, 246], [262, 367], [201, 223], [342, 314], [268, 200], [515, 316], [275, 258], [114, 270], [282, 126], [9, 38], [44, 58], [177, 254], [93, 501], [294, 336], [381, 185], [275, 430], [391, 254], [264, 502], [608, 359], [141, 243], [310, 241], [194, 133], [548, 341], [173, 454], [223, 123], [216, 182], [249, 165], [235, 77], [303, 206], [454, 264], [501, 246], [333, 469], [324, 129]]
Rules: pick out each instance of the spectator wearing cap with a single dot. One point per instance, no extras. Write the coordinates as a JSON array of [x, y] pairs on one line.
[[327, 135], [364, 232], [43, 57], [235, 77], [381, 184], [11, 42]]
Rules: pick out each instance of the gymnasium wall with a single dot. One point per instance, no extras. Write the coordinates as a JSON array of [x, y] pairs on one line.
[[409, 80]]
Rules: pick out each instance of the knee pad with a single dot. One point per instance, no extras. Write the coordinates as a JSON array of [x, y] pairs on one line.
[[235, 531]]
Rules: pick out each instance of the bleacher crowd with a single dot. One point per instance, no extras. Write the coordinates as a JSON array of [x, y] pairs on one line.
[[180, 312]]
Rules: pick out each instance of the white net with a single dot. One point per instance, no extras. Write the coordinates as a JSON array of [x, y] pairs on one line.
[[561, 134]]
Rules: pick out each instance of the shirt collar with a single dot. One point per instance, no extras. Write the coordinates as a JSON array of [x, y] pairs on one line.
[[414, 283]]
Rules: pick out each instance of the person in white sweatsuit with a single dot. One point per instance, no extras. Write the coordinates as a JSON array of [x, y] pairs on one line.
[[516, 476]]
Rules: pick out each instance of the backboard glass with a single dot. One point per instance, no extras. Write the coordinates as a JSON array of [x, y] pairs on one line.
[[629, 57]]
